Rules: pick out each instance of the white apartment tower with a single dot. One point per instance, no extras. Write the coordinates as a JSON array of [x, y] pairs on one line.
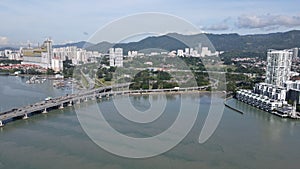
[[111, 57], [116, 57], [278, 67]]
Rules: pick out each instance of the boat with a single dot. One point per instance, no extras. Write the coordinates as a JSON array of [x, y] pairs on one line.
[[48, 98]]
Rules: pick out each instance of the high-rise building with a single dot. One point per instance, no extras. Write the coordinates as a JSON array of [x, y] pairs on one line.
[[278, 66], [295, 53], [119, 57], [66, 53], [49, 51], [116, 57], [111, 57], [40, 56]]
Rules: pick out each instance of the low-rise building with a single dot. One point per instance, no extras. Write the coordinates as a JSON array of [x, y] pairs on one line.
[[271, 91], [294, 95], [260, 101]]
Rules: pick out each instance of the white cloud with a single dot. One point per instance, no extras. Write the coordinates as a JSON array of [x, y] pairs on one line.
[[267, 21], [216, 27], [3, 40], [221, 26]]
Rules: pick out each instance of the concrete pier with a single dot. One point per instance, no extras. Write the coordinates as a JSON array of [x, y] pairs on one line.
[[1, 124]]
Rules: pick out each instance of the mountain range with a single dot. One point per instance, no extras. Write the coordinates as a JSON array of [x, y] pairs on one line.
[[221, 42]]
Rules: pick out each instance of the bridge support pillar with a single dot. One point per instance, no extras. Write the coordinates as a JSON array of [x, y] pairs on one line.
[[61, 106], [78, 102], [86, 99], [70, 104], [45, 111], [25, 116], [1, 124]]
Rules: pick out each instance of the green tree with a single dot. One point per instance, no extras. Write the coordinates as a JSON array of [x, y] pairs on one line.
[[50, 72]]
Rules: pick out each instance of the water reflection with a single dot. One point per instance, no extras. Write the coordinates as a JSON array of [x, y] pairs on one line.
[[274, 127], [255, 139]]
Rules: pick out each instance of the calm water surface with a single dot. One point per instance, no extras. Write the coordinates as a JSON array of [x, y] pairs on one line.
[[255, 139]]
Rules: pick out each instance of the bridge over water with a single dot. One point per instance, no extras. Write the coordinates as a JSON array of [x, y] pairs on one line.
[[69, 100]]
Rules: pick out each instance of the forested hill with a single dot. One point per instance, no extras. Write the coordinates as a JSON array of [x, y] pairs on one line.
[[256, 42], [221, 42]]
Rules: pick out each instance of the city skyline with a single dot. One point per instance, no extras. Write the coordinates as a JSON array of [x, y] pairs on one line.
[[69, 21]]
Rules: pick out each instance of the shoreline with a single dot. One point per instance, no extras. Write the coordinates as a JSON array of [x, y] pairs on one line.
[[40, 76], [179, 92]]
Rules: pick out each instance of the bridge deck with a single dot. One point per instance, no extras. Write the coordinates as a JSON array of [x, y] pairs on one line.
[[70, 99]]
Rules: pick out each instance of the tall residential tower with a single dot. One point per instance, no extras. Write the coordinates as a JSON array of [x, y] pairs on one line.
[[116, 57], [279, 66]]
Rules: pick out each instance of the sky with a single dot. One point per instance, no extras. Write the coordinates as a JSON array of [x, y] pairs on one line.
[[24, 21]]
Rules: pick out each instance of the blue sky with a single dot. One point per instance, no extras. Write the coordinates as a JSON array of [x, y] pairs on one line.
[[71, 20]]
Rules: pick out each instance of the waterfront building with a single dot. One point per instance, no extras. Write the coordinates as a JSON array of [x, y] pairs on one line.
[[279, 66], [294, 95], [272, 96], [292, 85], [40, 56], [293, 91], [260, 101], [271, 91]]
